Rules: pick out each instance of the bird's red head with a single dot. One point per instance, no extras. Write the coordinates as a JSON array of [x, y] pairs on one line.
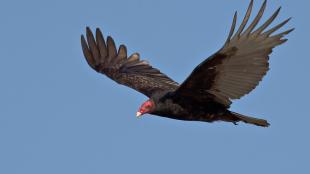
[[146, 107]]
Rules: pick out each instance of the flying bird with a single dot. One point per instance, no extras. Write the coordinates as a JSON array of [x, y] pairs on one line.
[[207, 93]]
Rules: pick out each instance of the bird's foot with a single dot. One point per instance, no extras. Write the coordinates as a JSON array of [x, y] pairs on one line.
[[235, 123]]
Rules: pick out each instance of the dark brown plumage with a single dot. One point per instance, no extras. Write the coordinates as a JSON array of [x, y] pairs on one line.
[[206, 94]]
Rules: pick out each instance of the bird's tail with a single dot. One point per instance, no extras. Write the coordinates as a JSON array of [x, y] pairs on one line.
[[246, 119]]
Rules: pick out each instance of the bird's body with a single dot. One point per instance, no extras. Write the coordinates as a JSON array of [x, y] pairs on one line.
[[169, 105], [206, 94]]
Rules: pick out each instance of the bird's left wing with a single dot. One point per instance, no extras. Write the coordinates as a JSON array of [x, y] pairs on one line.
[[237, 68], [130, 71]]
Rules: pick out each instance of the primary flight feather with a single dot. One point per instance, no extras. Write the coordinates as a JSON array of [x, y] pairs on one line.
[[206, 94]]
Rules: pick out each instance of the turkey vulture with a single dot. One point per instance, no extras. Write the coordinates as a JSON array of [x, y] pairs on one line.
[[206, 94]]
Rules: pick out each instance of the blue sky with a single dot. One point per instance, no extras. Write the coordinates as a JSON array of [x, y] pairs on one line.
[[59, 116]]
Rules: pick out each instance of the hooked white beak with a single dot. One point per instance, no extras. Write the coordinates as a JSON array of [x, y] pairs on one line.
[[138, 114]]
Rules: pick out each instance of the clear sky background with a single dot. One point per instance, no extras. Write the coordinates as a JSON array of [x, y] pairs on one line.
[[57, 115]]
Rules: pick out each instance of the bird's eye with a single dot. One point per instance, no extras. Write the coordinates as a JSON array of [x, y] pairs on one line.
[[147, 106]]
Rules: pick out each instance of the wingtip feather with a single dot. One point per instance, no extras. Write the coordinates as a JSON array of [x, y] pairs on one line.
[[88, 56], [232, 29], [245, 20]]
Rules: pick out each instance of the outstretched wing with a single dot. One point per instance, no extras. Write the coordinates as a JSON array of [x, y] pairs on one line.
[[130, 71], [238, 67]]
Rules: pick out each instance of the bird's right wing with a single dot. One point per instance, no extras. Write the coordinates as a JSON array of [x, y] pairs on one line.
[[130, 71], [237, 68]]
